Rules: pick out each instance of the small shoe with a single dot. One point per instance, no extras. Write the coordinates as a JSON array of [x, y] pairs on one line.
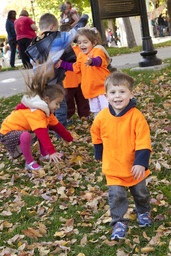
[[144, 219], [44, 158], [119, 231], [30, 166]]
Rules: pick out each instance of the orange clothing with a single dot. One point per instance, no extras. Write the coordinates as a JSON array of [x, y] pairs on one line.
[[72, 80], [121, 137], [92, 77], [27, 120]]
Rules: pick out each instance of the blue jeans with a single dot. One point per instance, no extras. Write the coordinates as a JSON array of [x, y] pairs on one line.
[[12, 44], [161, 27], [118, 201], [61, 114]]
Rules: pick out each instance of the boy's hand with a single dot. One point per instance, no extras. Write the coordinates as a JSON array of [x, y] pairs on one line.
[[56, 157], [58, 64], [138, 171], [88, 62]]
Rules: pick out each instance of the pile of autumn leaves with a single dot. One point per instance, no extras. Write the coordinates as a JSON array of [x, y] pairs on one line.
[[73, 193]]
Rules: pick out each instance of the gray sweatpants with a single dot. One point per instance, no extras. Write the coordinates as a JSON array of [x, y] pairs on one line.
[[118, 201]]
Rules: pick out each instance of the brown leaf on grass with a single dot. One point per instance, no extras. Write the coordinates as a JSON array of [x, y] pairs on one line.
[[83, 240], [15, 238], [110, 243], [59, 234], [159, 217], [2, 165], [145, 236], [148, 249], [121, 252], [6, 213], [5, 224], [70, 222], [136, 240], [32, 233], [42, 228]]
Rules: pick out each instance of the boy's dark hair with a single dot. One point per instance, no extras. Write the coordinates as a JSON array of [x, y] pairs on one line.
[[119, 78], [46, 20], [65, 27]]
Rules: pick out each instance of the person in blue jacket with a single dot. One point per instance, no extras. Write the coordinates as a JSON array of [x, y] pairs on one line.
[[49, 47], [11, 35]]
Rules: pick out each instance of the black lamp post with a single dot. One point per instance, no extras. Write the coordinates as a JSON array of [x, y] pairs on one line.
[[33, 10], [97, 19], [148, 53]]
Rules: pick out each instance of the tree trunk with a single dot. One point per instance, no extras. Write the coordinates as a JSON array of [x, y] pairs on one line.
[[169, 14], [129, 33]]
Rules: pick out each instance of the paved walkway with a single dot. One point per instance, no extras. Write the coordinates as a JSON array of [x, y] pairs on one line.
[[12, 82], [131, 60]]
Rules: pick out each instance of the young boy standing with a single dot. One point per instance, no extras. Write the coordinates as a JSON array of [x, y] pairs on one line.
[[121, 139]]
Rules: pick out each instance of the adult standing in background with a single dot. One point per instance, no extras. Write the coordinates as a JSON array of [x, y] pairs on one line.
[[25, 29], [161, 24], [68, 15], [11, 35]]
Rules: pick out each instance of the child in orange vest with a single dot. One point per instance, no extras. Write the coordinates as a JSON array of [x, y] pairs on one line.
[[32, 117], [92, 62], [121, 139], [72, 85]]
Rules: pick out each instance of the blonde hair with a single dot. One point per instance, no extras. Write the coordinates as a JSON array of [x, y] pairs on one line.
[[91, 33], [119, 78], [38, 84], [46, 20]]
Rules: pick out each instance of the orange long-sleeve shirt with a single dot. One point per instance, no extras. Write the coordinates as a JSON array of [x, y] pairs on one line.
[[121, 137], [92, 77], [27, 120], [72, 79]]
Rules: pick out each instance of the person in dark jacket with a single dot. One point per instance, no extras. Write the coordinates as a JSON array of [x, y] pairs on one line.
[[11, 35], [161, 24]]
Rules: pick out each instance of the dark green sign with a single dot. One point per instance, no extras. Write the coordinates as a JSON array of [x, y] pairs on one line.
[[110, 9]]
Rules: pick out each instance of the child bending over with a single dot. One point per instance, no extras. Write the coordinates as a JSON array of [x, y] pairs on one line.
[[92, 62], [33, 116], [121, 139]]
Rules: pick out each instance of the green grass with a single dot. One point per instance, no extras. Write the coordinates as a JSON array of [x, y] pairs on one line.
[[113, 51], [76, 181]]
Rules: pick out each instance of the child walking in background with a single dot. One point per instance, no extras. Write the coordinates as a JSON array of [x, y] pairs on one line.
[[72, 85], [33, 116], [92, 63], [121, 139]]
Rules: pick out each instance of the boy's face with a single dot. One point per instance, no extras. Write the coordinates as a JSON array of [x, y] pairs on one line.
[[119, 97]]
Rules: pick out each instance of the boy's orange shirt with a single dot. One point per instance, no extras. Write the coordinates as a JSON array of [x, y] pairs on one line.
[[27, 120], [121, 137], [72, 80], [92, 77]]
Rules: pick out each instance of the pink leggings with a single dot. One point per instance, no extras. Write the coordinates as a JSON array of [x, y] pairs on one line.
[[25, 145]]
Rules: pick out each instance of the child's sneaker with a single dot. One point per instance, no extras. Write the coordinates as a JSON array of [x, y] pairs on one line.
[[119, 231], [44, 158], [144, 219], [33, 166]]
